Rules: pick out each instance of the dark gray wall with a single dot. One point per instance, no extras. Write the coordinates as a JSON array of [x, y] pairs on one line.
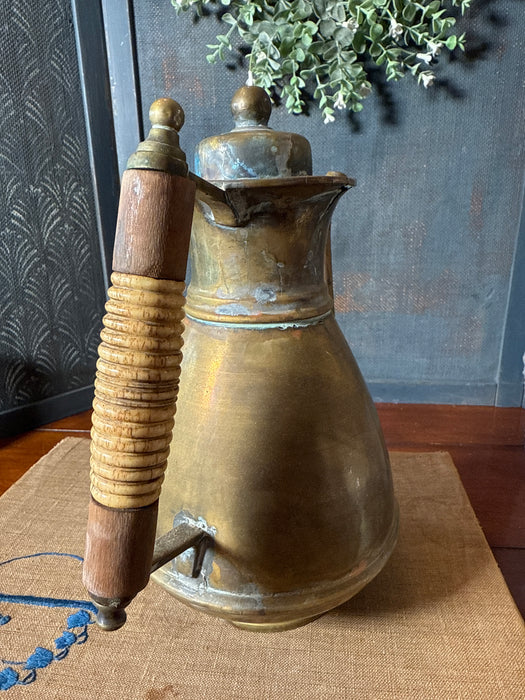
[[51, 262], [424, 248]]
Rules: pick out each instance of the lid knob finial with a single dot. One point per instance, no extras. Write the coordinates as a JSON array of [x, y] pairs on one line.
[[252, 150], [251, 106]]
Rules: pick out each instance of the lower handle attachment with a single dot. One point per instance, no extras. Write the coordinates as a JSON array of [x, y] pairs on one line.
[[116, 526]]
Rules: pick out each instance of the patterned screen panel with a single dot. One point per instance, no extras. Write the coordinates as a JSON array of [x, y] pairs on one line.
[[51, 284], [423, 247]]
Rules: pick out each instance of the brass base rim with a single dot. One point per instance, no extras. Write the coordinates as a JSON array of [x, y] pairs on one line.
[[275, 626], [338, 594]]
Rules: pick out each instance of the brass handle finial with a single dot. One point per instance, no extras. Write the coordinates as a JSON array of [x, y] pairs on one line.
[[166, 113], [161, 150]]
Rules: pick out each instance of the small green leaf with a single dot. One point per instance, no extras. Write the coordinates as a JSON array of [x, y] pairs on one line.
[[327, 27], [301, 9], [267, 30], [330, 51], [375, 50], [317, 47], [376, 30], [433, 7], [306, 41], [338, 12], [309, 28], [451, 42], [409, 12], [319, 7], [286, 46], [359, 42], [343, 36]]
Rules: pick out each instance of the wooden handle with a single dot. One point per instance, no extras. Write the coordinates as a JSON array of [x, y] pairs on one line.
[[136, 385]]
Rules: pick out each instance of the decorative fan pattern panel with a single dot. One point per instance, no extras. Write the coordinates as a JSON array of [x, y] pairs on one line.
[[51, 282]]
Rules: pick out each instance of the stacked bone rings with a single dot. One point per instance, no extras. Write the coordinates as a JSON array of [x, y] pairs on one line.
[[136, 389]]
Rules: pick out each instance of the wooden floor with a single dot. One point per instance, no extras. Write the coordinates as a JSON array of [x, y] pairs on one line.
[[486, 444]]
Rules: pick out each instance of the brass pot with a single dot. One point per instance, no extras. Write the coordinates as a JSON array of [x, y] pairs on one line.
[[277, 450]]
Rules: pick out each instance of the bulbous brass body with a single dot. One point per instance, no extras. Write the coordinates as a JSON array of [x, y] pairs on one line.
[[277, 447]]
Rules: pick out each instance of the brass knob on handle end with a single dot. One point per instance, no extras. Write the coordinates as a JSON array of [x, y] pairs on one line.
[[161, 150], [167, 113], [111, 614]]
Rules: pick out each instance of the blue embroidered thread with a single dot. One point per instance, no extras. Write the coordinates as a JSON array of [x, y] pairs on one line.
[[8, 678], [42, 554], [47, 602], [42, 657]]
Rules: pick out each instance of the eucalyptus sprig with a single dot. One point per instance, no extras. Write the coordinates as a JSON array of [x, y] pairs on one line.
[[324, 45]]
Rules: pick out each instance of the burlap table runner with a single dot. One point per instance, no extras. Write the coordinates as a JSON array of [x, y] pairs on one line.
[[438, 622]]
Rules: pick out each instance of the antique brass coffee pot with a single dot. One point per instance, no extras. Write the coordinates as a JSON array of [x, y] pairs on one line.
[[278, 502]]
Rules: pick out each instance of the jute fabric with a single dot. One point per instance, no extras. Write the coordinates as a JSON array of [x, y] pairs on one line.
[[437, 623]]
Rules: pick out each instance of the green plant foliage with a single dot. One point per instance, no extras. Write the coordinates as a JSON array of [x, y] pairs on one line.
[[323, 44]]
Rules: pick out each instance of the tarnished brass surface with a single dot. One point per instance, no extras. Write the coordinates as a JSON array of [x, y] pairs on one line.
[[271, 269], [277, 450], [161, 150], [278, 446], [252, 149]]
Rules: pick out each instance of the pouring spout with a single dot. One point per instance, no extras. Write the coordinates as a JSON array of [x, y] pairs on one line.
[[234, 202], [224, 211]]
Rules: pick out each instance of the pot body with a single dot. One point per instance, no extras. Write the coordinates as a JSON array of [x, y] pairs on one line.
[[277, 448]]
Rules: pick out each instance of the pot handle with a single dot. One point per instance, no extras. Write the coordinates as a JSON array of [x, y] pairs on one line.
[[138, 367]]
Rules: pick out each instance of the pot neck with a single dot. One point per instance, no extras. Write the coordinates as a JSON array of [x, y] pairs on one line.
[[273, 268]]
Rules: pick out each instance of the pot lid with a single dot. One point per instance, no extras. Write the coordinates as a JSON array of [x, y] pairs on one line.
[[252, 149]]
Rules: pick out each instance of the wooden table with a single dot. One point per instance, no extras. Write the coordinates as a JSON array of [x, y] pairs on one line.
[[486, 444]]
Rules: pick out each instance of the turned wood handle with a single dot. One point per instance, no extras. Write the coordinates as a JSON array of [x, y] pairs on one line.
[[138, 370]]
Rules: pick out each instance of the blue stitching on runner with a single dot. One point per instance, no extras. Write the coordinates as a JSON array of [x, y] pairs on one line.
[[42, 657]]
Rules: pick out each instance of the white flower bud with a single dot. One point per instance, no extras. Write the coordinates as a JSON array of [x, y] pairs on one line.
[[428, 79], [350, 24], [425, 57], [434, 48], [339, 103], [396, 29]]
